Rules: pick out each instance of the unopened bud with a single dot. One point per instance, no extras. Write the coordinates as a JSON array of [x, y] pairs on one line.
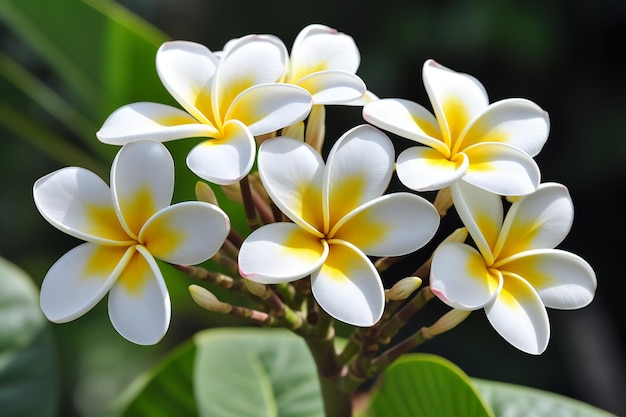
[[513, 198], [446, 322], [262, 138], [403, 288], [316, 127], [443, 201], [207, 300], [295, 131], [233, 192], [458, 236], [255, 288], [205, 193]]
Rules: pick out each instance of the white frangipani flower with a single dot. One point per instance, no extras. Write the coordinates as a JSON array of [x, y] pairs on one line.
[[125, 228], [230, 99], [488, 145], [339, 218], [516, 272]]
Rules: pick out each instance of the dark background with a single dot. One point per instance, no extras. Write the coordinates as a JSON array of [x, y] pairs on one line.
[[568, 57]]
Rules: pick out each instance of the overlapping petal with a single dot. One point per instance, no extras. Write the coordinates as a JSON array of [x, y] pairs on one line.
[[519, 316], [226, 160], [562, 280], [460, 277], [348, 287], [359, 168], [80, 279], [501, 169], [151, 121], [539, 220], [185, 233], [518, 122], [142, 182], [293, 175], [425, 169], [333, 87], [281, 252], [139, 304], [391, 225], [186, 70], [79, 203]]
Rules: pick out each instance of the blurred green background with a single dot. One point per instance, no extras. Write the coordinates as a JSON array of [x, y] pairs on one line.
[[65, 65]]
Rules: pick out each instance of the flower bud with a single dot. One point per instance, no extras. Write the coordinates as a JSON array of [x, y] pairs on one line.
[[458, 236], [207, 300], [205, 193], [316, 128], [255, 288], [443, 201], [403, 289], [447, 322], [295, 131]]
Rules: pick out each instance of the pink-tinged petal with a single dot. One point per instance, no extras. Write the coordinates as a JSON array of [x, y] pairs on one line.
[[151, 121], [358, 170], [142, 181], [460, 278], [518, 315], [186, 70], [391, 225], [408, 120], [501, 169], [538, 221], [186, 233], [562, 280], [280, 252], [426, 169], [456, 98], [293, 175], [333, 87], [481, 212], [318, 48], [248, 61], [78, 202], [139, 304], [348, 286], [268, 107], [226, 160], [518, 122], [80, 279]]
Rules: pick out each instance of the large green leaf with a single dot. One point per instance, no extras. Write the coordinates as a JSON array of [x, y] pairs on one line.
[[518, 401], [256, 373], [426, 385], [28, 374]]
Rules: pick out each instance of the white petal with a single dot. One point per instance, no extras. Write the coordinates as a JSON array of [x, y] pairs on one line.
[[186, 233], [186, 70], [80, 279], [151, 121], [481, 212], [456, 98], [358, 170], [293, 174], [280, 252], [391, 225], [562, 280], [408, 120], [501, 169], [139, 304], [425, 169], [79, 203], [226, 160], [520, 317], [248, 61], [348, 286], [318, 48], [333, 87], [460, 278], [142, 180], [518, 122], [537, 221], [268, 107]]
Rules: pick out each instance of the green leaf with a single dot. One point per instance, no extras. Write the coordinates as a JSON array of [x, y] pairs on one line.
[[426, 385], [257, 373], [518, 401], [28, 374]]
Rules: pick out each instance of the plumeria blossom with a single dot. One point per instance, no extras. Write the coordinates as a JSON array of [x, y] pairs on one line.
[[516, 272], [487, 145], [125, 228], [230, 99], [339, 216]]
